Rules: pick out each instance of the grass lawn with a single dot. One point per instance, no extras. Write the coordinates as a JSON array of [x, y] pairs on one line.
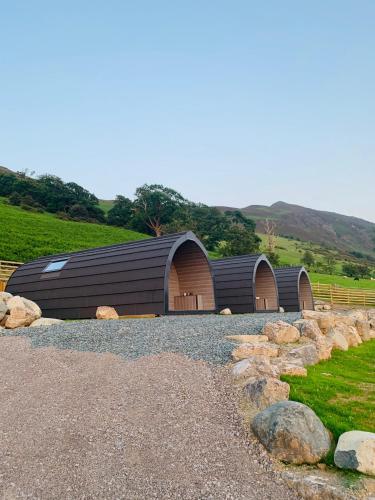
[[341, 390], [341, 281], [28, 235]]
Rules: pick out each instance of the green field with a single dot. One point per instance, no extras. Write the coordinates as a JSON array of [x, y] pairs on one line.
[[106, 205], [341, 390], [27, 235], [343, 281]]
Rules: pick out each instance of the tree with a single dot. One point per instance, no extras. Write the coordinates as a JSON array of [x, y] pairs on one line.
[[121, 213], [329, 264], [356, 271], [274, 258], [155, 206], [308, 259], [239, 241], [270, 230], [237, 217]]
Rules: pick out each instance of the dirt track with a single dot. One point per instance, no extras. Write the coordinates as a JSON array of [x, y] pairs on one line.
[[87, 425]]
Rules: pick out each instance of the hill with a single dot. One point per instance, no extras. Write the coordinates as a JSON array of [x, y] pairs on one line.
[[29, 235], [349, 235]]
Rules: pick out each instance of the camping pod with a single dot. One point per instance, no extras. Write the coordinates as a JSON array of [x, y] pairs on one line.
[[166, 275], [245, 284], [295, 292]]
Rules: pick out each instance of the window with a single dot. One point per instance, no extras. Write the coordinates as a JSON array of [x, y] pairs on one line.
[[55, 266]]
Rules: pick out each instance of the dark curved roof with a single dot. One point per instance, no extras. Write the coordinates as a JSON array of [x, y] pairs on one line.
[[133, 277], [234, 279], [288, 283]]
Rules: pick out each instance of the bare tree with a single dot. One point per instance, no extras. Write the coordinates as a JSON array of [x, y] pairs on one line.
[[270, 230]]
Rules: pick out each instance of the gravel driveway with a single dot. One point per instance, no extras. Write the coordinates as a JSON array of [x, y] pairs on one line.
[[199, 337], [82, 425]]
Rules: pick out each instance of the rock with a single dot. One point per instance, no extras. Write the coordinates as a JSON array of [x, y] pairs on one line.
[[46, 322], [325, 320], [281, 310], [225, 311], [244, 351], [256, 366], [286, 367], [327, 307], [281, 332], [338, 339], [106, 312], [358, 315], [363, 329], [247, 339], [342, 319], [356, 450], [310, 328], [324, 348], [292, 432], [5, 296], [3, 310], [263, 392], [350, 334], [4, 320], [22, 312], [308, 354]]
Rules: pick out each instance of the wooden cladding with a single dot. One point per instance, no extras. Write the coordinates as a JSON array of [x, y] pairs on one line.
[[295, 292], [245, 284], [132, 277], [190, 276]]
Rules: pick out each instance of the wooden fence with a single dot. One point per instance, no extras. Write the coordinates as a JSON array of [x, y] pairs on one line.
[[7, 268], [340, 295]]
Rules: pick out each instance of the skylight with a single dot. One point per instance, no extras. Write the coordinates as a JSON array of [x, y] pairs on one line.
[[55, 266]]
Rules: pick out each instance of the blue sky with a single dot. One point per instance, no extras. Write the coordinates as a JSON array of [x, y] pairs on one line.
[[231, 103]]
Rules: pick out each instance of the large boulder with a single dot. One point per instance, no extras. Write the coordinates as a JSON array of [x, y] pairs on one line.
[[364, 329], [5, 296], [289, 367], [106, 312], [338, 339], [46, 322], [324, 348], [356, 450], [307, 354], [3, 310], [348, 332], [292, 432], [309, 328], [325, 320], [281, 332], [263, 392], [22, 312], [244, 351], [247, 339], [256, 366], [358, 314]]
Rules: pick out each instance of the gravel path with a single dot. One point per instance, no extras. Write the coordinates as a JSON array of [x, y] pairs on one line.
[[77, 425], [199, 337]]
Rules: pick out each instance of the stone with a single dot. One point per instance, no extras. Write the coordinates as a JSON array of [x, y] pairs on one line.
[[263, 392], [247, 339], [106, 312], [324, 348], [46, 322], [5, 296], [3, 310], [22, 312], [225, 311], [363, 329], [325, 320], [358, 315], [338, 339], [256, 366], [286, 367], [281, 310], [350, 334], [281, 332], [244, 351], [292, 432], [356, 450], [4, 320], [310, 328], [327, 307], [308, 354], [343, 319]]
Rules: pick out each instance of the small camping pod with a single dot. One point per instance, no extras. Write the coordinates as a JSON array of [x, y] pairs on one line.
[[166, 275], [295, 292], [245, 284]]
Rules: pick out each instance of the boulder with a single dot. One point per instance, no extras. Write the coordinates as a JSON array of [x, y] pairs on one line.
[[46, 322], [325, 320], [292, 432], [358, 314], [4, 320], [343, 319], [22, 312], [225, 311], [289, 368], [5, 296], [106, 312], [256, 366], [356, 450], [263, 392], [327, 307], [324, 347], [281, 332], [281, 310], [247, 339], [363, 329], [338, 339], [309, 328], [244, 351], [3, 310], [349, 332], [307, 354]]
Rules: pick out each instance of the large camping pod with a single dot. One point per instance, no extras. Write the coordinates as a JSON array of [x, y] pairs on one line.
[[166, 275], [245, 284], [294, 286]]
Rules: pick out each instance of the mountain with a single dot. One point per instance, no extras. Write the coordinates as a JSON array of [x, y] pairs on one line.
[[344, 233]]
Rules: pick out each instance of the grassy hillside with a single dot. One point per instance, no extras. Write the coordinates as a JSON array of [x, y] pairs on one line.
[[106, 205], [27, 235]]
